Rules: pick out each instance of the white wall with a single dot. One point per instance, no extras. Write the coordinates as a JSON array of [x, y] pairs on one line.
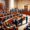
[[22, 3], [11, 4]]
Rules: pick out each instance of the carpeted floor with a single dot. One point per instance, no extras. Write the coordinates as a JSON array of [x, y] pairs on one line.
[[22, 27]]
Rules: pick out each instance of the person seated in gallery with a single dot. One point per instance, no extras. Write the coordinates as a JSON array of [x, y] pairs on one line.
[[20, 21], [15, 21], [1, 21], [1, 27], [7, 24], [27, 26]]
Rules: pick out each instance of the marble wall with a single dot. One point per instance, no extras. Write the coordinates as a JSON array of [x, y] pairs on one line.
[[21, 4]]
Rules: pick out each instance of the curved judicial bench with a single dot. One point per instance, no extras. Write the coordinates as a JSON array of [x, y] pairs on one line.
[[27, 13]]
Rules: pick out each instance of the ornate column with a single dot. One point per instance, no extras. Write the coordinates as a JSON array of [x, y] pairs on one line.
[[15, 3], [7, 4]]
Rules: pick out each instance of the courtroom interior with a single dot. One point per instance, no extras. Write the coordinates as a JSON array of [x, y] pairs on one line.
[[14, 14]]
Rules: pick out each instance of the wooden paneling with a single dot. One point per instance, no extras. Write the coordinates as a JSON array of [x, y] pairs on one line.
[[16, 3], [7, 4], [27, 13]]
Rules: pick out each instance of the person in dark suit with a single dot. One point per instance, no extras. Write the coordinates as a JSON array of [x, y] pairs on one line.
[[15, 21], [1, 27], [26, 19], [20, 21]]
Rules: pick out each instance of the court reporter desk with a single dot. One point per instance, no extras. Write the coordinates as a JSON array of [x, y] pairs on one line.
[[11, 27]]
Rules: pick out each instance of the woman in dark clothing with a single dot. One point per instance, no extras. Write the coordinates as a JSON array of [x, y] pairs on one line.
[[16, 22], [20, 21], [1, 28]]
